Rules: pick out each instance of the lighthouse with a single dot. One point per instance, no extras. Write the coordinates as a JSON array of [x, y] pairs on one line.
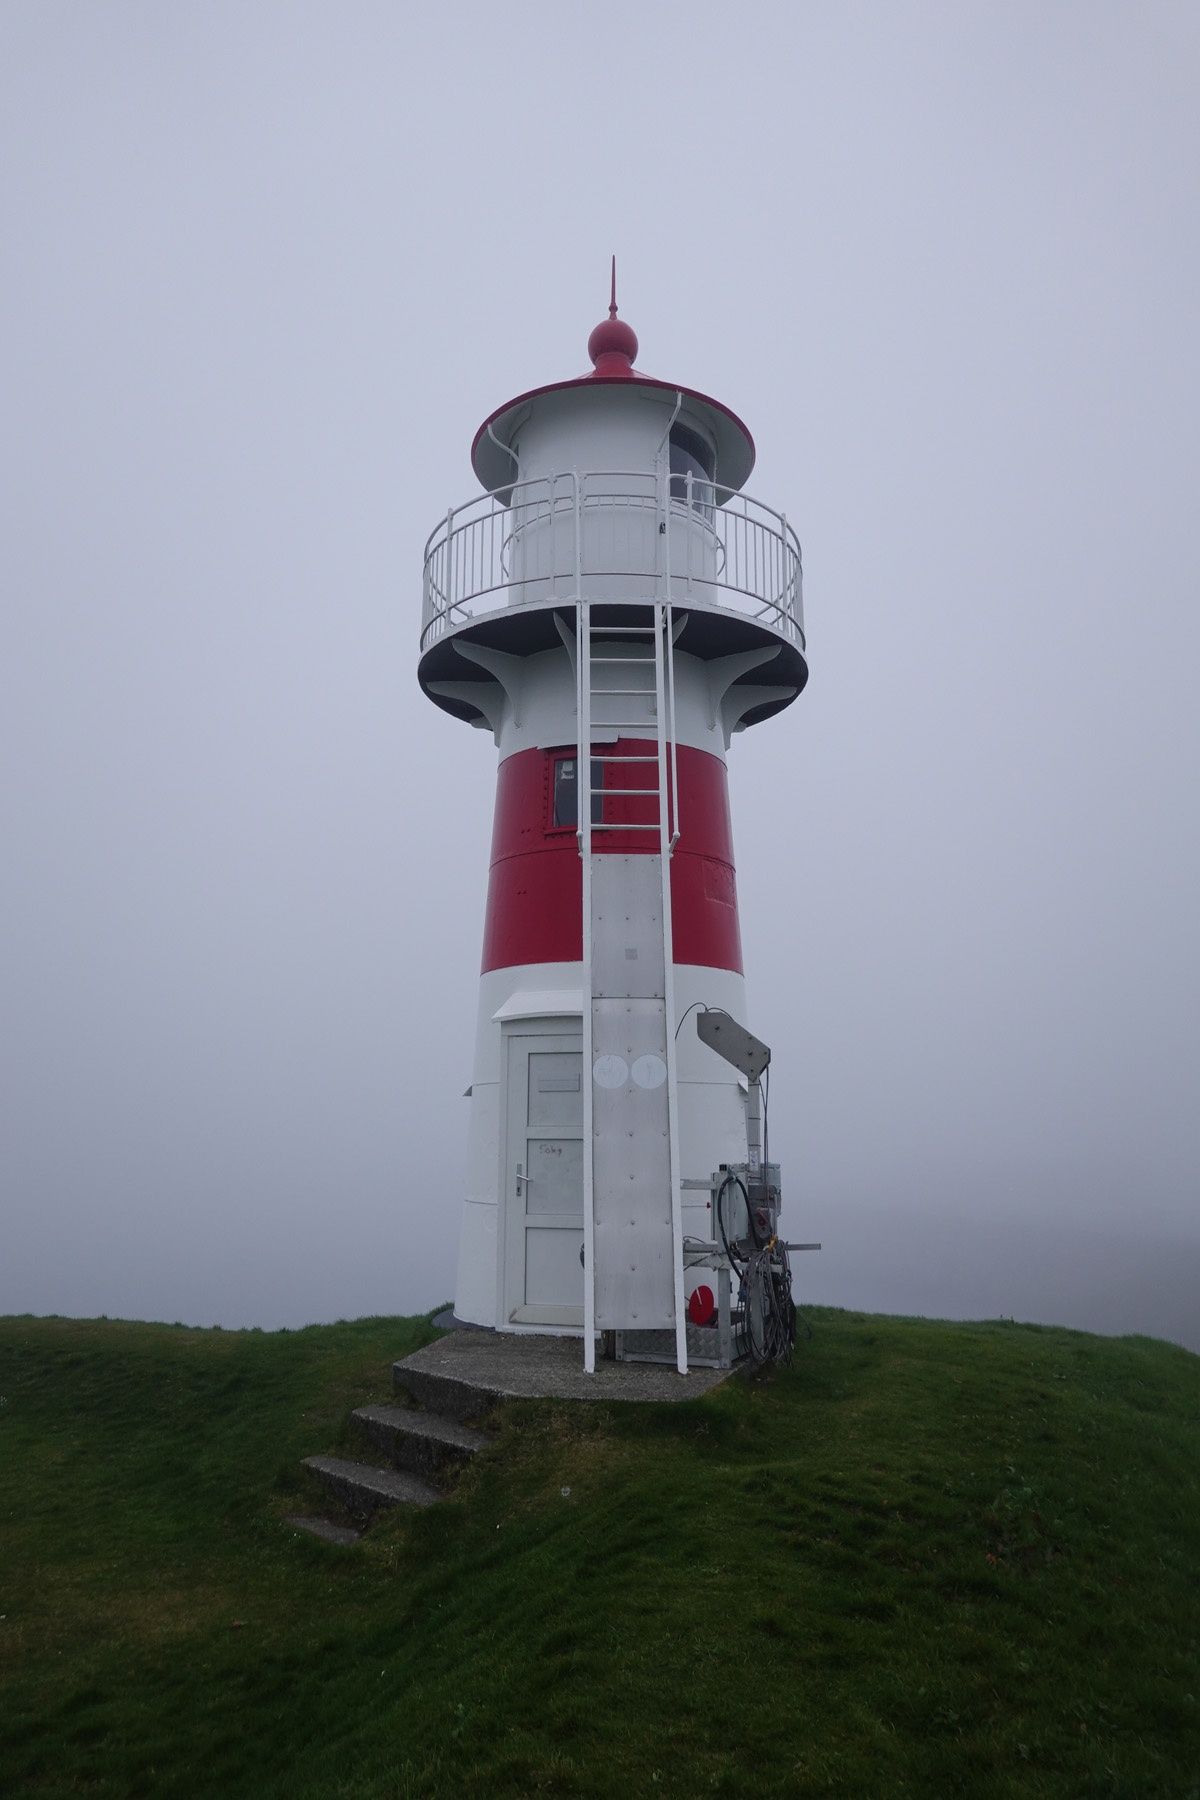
[[613, 608]]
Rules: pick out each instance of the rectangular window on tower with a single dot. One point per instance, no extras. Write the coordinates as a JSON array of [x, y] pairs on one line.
[[566, 792], [692, 468]]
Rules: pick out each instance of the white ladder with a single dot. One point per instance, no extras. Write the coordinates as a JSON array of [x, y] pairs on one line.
[[632, 1217]]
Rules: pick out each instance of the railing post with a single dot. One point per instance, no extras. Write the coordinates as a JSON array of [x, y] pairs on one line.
[[688, 530], [577, 508], [663, 535]]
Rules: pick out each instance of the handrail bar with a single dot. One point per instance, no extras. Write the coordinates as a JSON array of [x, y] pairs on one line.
[[536, 539]]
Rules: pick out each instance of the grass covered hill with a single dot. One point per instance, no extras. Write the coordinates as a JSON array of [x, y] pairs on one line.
[[930, 1560]]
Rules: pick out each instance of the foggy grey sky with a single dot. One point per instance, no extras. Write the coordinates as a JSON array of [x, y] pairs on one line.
[[264, 270]]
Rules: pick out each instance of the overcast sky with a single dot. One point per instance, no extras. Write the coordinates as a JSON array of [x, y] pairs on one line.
[[265, 267]]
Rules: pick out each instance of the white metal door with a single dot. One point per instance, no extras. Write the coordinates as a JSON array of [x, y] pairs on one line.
[[544, 1179]]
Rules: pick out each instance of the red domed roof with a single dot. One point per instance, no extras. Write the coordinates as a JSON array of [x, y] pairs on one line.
[[612, 348]]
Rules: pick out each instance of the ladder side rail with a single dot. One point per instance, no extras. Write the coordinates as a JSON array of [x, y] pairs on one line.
[[584, 830], [662, 643], [673, 788], [662, 649], [583, 755]]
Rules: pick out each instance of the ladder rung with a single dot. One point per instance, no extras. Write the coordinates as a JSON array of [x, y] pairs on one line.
[[646, 793], [625, 693], [624, 630], [625, 662], [623, 759], [608, 827]]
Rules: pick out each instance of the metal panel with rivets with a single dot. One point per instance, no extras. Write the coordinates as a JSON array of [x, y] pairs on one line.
[[631, 1159]]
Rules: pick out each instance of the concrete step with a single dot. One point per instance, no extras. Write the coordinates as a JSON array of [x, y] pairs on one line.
[[324, 1528], [362, 1490], [426, 1443], [440, 1392]]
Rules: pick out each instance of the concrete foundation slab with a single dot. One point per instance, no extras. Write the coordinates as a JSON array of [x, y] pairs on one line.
[[465, 1373]]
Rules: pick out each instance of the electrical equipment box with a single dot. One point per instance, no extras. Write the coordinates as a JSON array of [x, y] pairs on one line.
[[746, 1203]]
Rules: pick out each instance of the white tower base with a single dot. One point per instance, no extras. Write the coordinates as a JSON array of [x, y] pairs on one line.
[[538, 1006]]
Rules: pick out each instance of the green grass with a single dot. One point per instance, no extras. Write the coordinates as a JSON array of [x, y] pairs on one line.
[[931, 1560]]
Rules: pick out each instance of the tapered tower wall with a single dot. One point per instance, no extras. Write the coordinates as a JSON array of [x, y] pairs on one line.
[[532, 949], [621, 492]]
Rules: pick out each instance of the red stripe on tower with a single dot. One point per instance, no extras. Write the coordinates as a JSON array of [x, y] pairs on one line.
[[535, 884]]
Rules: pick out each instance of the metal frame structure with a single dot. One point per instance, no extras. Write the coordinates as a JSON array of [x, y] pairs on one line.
[[527, 545]]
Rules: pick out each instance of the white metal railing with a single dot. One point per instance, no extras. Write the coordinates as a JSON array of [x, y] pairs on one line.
[[612, 535]]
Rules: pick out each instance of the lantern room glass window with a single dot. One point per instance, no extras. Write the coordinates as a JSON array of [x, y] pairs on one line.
[[690, 455], [566, 792]]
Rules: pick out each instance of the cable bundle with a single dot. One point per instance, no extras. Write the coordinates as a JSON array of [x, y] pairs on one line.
[[766, 1317], [768, 1310]]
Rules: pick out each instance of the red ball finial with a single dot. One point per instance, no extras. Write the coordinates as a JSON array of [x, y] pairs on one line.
[[613, 345]]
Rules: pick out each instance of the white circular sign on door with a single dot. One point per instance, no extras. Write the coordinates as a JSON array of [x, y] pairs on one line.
[[610, 1071], [649, 1071]]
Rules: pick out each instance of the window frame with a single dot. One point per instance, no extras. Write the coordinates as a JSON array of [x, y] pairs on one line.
[[553, 759]]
